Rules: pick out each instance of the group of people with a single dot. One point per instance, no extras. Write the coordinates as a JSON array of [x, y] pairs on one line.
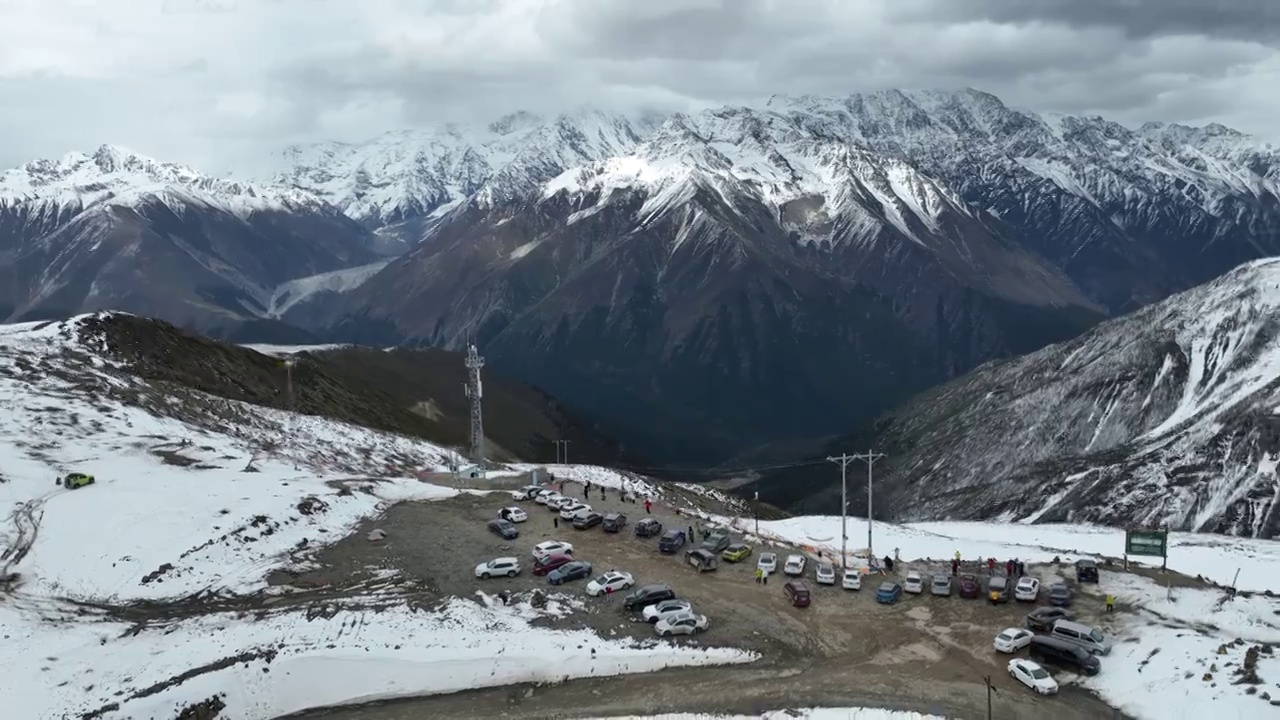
[[626, 495], [1013, 567]]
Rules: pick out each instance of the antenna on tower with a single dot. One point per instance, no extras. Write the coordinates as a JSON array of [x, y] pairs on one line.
[[475, 391]]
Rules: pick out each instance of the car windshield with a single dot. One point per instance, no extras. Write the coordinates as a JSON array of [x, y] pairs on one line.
[[1006, 636], [887, 587], [1038, 674], [768, 558], [1097, 636]]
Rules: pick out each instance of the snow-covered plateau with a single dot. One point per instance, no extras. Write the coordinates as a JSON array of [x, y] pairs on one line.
[[147, 591]]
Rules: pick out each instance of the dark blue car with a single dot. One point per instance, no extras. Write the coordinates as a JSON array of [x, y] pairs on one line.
[[576, 570], [888, 593], [1060, 595]]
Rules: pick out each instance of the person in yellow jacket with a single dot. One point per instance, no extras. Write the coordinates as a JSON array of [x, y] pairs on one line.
[[1111, 603]]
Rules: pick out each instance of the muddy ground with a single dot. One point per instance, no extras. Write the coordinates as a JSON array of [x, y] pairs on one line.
[[928, 654]]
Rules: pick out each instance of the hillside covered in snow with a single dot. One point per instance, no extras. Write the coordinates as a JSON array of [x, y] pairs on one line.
[[1169, 416]]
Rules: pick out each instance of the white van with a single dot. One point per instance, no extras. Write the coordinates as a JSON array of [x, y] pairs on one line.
[[1082, 635]]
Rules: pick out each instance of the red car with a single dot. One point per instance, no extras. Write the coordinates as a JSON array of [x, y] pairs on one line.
[[548, 563], [969, 587]]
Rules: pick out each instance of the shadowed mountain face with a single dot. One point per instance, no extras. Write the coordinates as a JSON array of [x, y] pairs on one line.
[[1167, 416]]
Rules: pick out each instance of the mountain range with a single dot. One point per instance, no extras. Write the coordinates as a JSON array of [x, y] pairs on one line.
[[730, 285]]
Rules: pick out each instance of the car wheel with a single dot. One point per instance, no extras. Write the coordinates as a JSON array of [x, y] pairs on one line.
[[666, 633], [511, 574], [484, 575]]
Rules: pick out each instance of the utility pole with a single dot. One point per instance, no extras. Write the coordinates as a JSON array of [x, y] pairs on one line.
[[289, 362], [562, 452], [755, 509], [843, 461], [990, 689], [475, 391], [870, 456]]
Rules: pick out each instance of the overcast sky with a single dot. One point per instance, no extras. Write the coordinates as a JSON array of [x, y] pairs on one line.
[[219, 83]]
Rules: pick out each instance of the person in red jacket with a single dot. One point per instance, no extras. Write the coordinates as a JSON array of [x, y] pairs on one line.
[[647, 506], [991, 566]]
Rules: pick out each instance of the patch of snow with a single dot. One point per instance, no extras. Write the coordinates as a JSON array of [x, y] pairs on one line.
[[338, 281]]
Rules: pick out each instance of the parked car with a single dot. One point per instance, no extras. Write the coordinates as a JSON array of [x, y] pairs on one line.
[[1086, 570], [1042, 619], [552, 547], [498, 567], [648, 527], [1051, 651], [1033, 676], [1012, 640], [851, 579], [794, 565], [615, 579], [545, 496], [559, 503], [716, 542], [648, 595], [513, 514], [671, 542], [665, 609], [969, 587], [914, 583], [529, 492], [574, 570], [686, 623], [1080, 634], [941, 585], [797, 593], [825, 574], [547, 563], [768, 562], [1027, 589], [736, 552], [703, 560], [1059, 594], [998, 589], [503, 529], [588, 521], [614, 522], [888, 593], [572, 510]]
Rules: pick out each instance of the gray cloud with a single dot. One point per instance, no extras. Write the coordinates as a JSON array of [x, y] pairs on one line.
[[220, 83]]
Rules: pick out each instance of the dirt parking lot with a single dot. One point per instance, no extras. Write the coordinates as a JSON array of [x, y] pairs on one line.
[[924, 653]]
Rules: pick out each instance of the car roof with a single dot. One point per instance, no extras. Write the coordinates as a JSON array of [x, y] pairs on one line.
[[505, 560]]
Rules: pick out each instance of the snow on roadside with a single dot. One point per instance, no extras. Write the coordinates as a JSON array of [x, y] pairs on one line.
[[596, 475], [794, 714], [289, 663]]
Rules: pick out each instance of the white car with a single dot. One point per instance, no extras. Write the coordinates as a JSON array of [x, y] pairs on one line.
[[513, 514], [528, 492], [768, 562], [914, 583], [851, 580], [794, 565], [685, 623], [572, 510], [1033, 676], [498, 567], [1012, 640], [561, 502], [545, 496], [826, 574], [551, 547], [613, 579], [1027, 589], [666, 609]]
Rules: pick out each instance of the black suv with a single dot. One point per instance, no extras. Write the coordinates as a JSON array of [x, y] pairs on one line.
[[1086, 571], [1051, 651], [671, 542], [504, 529], [648, 527], [613, 522], [648, 595], [584, 522]]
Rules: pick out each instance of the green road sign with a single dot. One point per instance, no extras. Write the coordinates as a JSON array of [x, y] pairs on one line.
[[1146, 542]]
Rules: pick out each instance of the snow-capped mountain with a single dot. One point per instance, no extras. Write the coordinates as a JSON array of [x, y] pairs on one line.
[[409, 175], [119, 230], [1167, 416]]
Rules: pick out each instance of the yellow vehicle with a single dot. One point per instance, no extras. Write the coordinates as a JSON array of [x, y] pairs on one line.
[[76, 480], [736, 553]]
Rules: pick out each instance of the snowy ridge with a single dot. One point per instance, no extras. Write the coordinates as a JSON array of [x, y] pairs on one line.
[[192, 508], [1168, 416], [338, 281], [115, 176]]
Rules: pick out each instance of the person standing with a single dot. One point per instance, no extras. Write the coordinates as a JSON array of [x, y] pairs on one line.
[[764, 577], [955, 567], [608, 593], [647, 506], [555, 521], [1111, 603], [759, 575]]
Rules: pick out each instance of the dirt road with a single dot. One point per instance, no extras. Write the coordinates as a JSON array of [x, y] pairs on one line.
[[928, 654]]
